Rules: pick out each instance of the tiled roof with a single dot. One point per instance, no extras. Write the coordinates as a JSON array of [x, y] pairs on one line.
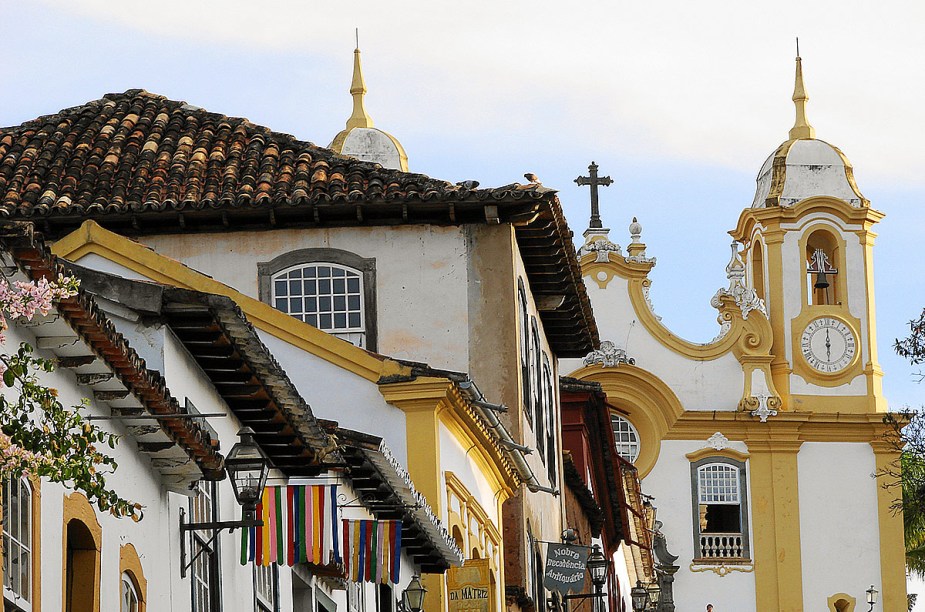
[[137, 152], [139, 163]]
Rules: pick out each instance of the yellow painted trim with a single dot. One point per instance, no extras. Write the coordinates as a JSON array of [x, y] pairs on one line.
[[723, 568], [130, 563], [805, 426], [773, 217], [429, 402], [36, 484], [728, 453], [854, 404], [848, 599], [91, 238], [77, 508], [472, 506], [775, 506], [644, 399], [892, 543]]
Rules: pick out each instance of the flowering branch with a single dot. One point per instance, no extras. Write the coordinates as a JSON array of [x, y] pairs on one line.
[[39, 436]]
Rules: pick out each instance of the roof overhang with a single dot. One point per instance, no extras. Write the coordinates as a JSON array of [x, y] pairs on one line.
[[386, 490], [241, 368]]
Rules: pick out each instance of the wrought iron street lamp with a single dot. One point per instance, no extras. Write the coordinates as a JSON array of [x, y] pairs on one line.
[[412, 598], [872, 597], [597, 567], [247, 467], [640, 596]]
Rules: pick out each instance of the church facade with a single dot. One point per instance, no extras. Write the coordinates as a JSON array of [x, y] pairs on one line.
[[760, 446]]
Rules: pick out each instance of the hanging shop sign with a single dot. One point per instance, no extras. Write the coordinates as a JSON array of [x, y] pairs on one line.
[[565, 567]]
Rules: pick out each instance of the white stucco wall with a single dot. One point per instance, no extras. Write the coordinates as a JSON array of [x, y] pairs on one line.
[[669, 483], [839, 525], [699, 385], [339, 395], [421, 278]]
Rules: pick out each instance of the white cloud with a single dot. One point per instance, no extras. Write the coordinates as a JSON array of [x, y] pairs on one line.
[[705, 80]]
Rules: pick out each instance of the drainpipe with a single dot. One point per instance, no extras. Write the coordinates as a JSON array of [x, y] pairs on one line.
[[516, 452]]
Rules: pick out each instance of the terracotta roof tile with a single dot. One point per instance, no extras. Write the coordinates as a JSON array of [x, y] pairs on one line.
[[140, 163], [138, 152]]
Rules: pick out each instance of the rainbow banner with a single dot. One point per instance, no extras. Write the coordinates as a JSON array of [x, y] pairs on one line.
[[299, 526], [372, 550]]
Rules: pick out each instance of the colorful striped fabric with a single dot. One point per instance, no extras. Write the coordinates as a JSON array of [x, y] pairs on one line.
[[299, 526], [372, 550]]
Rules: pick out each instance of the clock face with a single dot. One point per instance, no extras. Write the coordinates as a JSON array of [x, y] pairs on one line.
[[828, 345]]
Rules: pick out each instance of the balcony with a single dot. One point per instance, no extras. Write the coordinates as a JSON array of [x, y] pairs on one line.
[[721, 546]]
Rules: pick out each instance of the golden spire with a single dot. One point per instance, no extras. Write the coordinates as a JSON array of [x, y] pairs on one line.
[[801, 129], [359, 118]]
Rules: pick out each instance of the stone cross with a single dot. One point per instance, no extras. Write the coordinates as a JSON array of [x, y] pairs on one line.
[[594, 181]]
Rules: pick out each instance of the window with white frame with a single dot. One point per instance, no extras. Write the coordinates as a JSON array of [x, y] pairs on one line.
[[266, 587], [130, 597], [17, 544], [625, 436], [720, 509], [536, 385], [525, 375], [331, 289], [549, 398], [204, 550], [328, 296]]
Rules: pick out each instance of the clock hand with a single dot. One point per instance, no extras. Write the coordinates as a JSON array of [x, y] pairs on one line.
[[828, 347]]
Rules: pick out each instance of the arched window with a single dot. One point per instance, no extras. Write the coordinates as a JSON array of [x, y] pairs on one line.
[[82, 558], [758, 268], [721, 512], [330, 289], [130, 599], [625, 436], [83, 538], [132, 586], [821, 268], [17, 543]]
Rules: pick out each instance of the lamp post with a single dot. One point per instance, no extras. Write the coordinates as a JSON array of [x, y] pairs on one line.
[[872, 597], [640, 596], [597, 567], [247, 467], [412, 598]]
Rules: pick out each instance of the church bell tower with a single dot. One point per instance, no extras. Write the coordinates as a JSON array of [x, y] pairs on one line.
[[809, 254]]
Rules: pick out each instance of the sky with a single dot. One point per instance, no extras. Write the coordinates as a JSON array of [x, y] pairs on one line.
[[679, 102]]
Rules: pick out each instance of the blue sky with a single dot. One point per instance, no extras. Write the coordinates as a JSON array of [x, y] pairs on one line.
[[678, 102]]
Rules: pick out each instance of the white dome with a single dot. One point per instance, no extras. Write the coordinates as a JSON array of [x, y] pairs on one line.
[[374, 145], [804, 168]]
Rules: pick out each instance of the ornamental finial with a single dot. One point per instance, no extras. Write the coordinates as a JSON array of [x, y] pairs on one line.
[[801, 129], [359, 118]]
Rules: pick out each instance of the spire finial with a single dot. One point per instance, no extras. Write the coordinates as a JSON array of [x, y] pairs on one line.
[[801, 129], [359, 118]]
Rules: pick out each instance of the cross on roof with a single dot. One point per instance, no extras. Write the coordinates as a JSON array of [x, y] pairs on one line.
[[593, 180]]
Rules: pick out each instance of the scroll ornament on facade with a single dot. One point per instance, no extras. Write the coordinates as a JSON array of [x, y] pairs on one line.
[[608, 356], [746, 298], [602, 247]]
